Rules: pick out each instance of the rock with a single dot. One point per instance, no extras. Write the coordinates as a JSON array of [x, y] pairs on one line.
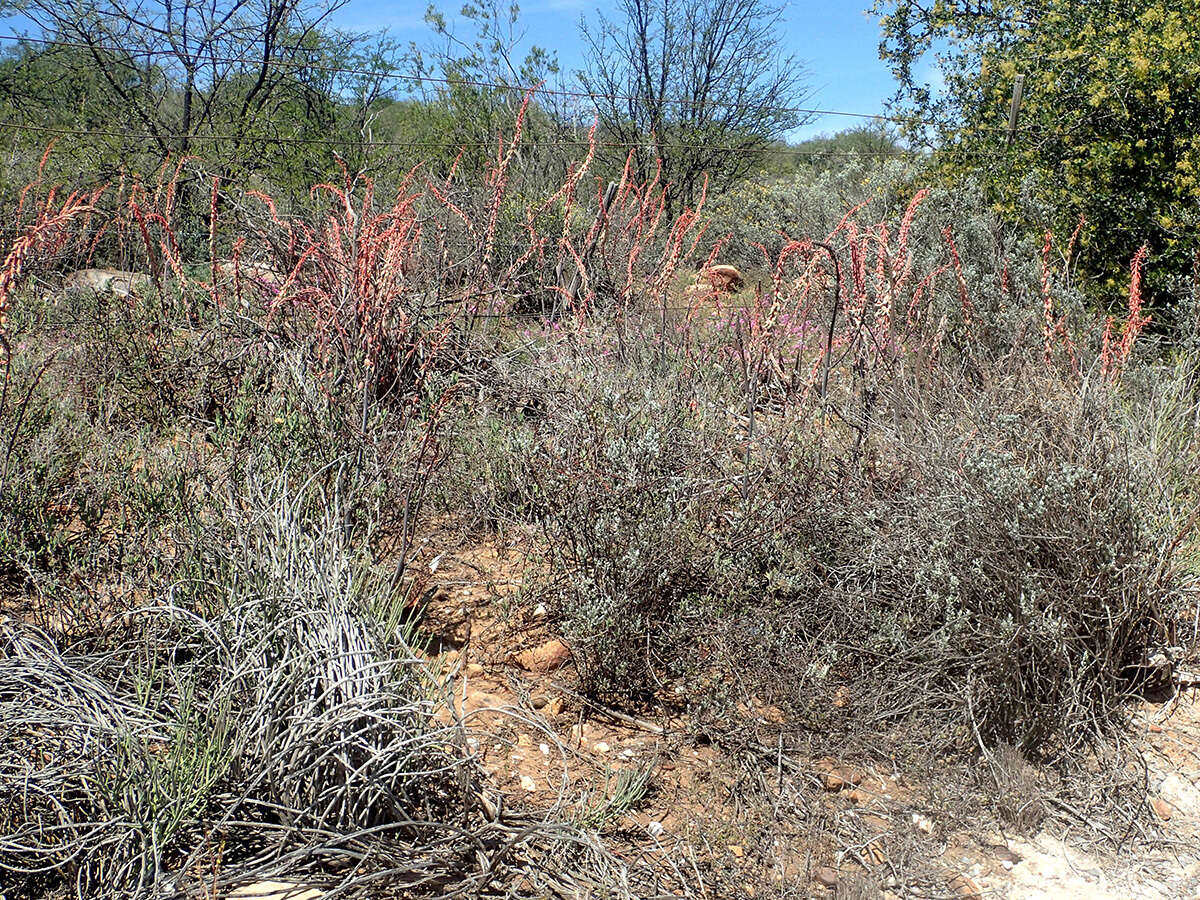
[[1162, 808], [601, 746], [275, 890], [721, 278], [736, 850], [965, 887], [106, 281], [539, 702], [1158, 668], [826, 876], [544, 658], [554, 707], [528, 784], [444, 621], [474, 669], [524, 740], [839, 778], [655, 828]]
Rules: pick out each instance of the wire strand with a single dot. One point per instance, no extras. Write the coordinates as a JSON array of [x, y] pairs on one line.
[[493, 85], [449, 145]]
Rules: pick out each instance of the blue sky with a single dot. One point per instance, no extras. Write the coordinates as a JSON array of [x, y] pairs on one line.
[[836, 40]]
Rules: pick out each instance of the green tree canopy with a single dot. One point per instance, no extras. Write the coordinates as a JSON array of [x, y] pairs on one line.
[[263, 93], [471, 81], [1107, 128]]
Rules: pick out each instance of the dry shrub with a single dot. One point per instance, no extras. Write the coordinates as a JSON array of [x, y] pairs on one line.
[[960, 524], [1024, 563], [855, 886], [1018, 789], [998, 563], [629, 538], [288, 718]]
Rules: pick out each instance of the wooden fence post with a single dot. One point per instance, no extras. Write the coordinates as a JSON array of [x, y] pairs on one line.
[[1018, 91]]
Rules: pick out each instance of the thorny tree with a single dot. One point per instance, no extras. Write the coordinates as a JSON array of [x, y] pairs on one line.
[[232, 79], [695, 85]]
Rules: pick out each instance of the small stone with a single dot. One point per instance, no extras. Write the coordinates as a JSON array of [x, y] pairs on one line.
[[826, 876], [539, 611], [528, 784], [601, 747], [922, 823], [1155, 729], [1162, 808], [474, 669], [539, 702], [626, 753], [544, 658], [839, 778], [545, 748], [275, 890], [1006, 865], [736, 850], [655, 828], [965, 887], [554, 707], [524, 740]]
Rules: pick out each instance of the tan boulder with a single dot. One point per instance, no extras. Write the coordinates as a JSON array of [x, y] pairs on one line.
[[544, 658], [106, 281], [723, 279]]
